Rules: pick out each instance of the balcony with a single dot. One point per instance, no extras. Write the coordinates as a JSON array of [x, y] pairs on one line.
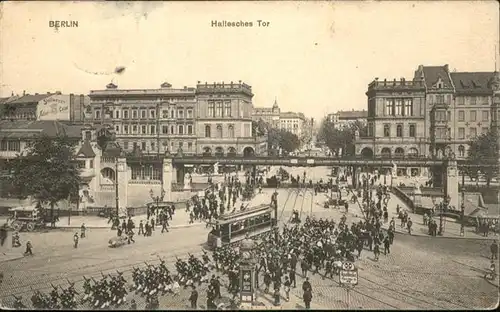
[[108, 160], [87, 173], [396, 84]]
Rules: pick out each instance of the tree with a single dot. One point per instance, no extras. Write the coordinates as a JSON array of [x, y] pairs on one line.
[[46, 170], [483, 149], [278, 138], [259, 128], [341, 141]]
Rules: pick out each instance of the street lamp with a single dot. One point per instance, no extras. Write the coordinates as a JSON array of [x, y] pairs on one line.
[[156, 199]]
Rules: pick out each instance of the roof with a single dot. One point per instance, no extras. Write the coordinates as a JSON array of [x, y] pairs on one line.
[[433, 73], [28, 99], [20, 129], [292, 115], [353, 114], [473, 82], [86, 150]]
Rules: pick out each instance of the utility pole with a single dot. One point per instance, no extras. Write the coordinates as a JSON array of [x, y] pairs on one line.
[[116, 188]]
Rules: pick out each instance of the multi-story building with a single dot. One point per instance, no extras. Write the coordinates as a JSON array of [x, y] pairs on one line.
[[292, 122], [342, 119], [49, 106], [396, 121], [447, 110], [224, 120], [152, 120], [270, 115], [471, 110]]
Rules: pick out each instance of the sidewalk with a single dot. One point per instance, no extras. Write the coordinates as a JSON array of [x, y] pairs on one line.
[[12, 254], [451, 227]]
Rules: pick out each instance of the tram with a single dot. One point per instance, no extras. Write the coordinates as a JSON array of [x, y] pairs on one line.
[[233, 227]]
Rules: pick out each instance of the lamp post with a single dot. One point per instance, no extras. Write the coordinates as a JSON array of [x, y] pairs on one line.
[[156, 200], [462, 207]]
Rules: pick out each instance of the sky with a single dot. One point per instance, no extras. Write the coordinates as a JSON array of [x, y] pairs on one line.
[[313, 57]]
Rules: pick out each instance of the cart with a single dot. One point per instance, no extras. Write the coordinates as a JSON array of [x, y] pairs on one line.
[[26, 218]]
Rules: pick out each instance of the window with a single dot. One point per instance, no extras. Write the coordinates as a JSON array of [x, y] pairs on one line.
[[134, 146], [88, 135], [472, 116], [189, 113], [472, 132], [117, 129], [91, 164], [153, 129], [143, 146], [3, 145], [387, 130], [399, 131], [486, 115], [412, 131], [125, 114], [181, 129], [152, 113], [172, 114], [117, 114], [230, 131], [125, 145], [153, 146], [189, 129], [461, 151], [440, 99], [143, 130], [208, 133], [461, 115], [190, 146], [180, 113], [448, 116], [460, 100], [97, 114], [219, 109], [134, 129], [14, 146], [389, 107], [485, 100], [164, 129], [219, 131], [125, 129], [472, 100], [134, 113], [143, 114], [172, 130], [211, 109], [484, 130], [146, 173], [399, 107], [461, 133], [227, 108], [408, 107]]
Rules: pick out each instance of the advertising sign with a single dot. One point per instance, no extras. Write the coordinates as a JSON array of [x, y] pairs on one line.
[[54, 107], [349, 277], [246, 281]]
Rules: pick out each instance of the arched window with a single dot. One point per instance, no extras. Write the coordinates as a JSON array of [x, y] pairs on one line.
[[386, 152], [230, 130], [208, 131], [219, 131], [399, 131], [461, 151], [399, 152], [413, 152]]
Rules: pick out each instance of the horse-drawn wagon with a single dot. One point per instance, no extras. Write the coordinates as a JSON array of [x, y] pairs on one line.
[[27, 218]]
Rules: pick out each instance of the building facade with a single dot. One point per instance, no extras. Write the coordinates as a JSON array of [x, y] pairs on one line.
[[395, 121], [49, 106], [435, 114], [224, 120], [270, 115], [342, 119], [151, 120], [292, 122]]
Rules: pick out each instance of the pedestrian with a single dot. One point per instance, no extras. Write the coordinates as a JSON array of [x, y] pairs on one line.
[[494, 250], [133, 305], [152, 224], [376, 251], [409, 224], [75, 240], [287, 284], [82, 231], [307, 297], [164, 225], [291, 275], [194, 298], [29, 249], [130, 235], [387, 244], [141, 228]]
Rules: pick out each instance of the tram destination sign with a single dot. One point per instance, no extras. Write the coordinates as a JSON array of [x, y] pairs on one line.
[[348, 277]]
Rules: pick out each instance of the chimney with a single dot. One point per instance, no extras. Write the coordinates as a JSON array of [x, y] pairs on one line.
[[36, 93], [447, 68], [420, 67], [24, 92], [48, 93], [58, 92]]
